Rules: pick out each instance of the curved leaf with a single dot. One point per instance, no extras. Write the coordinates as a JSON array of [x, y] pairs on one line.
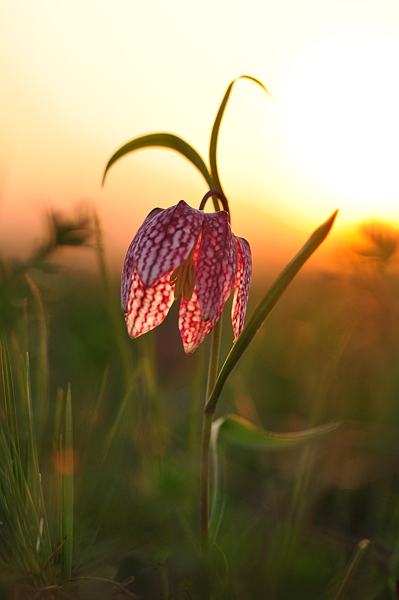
[[237, 430], [218, 501], [265, 307], [216, 127], [162, 140]]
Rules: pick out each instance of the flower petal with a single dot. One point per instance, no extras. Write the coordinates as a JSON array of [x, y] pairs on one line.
[[216, 265], [147, 306], [193, 329], [242, 283], [129, 264], [166, 241]]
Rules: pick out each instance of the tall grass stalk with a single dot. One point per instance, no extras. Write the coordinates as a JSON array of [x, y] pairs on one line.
[[112, 304], [41, 391], [121, 414], [67, 467]]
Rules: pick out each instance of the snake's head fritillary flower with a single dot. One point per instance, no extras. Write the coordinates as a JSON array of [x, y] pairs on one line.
[[184, 251]]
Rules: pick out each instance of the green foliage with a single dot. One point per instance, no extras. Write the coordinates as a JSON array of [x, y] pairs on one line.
[[37, 452], [291, 519], [25, 542]]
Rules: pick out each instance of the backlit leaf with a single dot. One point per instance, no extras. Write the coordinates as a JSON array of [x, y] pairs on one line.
[[162, 140], [237, 430]]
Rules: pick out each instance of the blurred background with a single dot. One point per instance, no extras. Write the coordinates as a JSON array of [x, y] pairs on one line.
[[79, 79]]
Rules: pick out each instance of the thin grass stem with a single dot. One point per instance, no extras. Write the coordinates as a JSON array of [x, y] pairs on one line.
[[113, 310], [352, 568], [67, 509]]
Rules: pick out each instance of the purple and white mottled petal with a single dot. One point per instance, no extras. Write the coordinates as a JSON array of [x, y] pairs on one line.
[[166, 242], [241, 285], [129, 264], [216, 265], [147, 306], [193, 329]]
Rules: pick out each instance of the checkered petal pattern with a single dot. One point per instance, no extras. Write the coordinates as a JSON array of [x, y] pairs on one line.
[[147, 306], [129, 264], [163, 242], [241, 285], [193, 329], [166, 241], [217, 264]]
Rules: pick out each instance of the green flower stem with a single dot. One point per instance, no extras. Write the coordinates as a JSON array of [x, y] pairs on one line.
[[206, 436]]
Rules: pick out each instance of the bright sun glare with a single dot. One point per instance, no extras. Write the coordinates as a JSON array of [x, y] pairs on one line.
[[341, 117]]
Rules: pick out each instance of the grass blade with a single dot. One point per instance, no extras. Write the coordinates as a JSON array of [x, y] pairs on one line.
[[352, 568], [34, 483], [42, 368], [25, 540], [113, 306], [9, 394], [67, 481], [121, 414]]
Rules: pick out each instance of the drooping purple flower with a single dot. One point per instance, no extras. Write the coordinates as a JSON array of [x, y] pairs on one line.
[[181, 250]]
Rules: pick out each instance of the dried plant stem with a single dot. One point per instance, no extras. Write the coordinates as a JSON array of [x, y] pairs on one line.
[[206, 437]]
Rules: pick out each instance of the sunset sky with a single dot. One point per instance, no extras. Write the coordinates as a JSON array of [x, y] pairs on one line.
[[80, 78]]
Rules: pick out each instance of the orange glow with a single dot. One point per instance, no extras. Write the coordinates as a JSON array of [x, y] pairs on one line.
[[66, 461], [77, 83]]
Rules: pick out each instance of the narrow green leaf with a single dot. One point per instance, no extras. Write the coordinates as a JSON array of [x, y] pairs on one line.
[[162, 140], [32, 462], [42, 369], [67, 506], [121, 415], [58, 418], [9, 393], [266, 305], [237, 430], [352, 568], [218, 499], [216, 128], [113, 303]]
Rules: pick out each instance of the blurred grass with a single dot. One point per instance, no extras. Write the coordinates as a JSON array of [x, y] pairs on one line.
[[124, 504]]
